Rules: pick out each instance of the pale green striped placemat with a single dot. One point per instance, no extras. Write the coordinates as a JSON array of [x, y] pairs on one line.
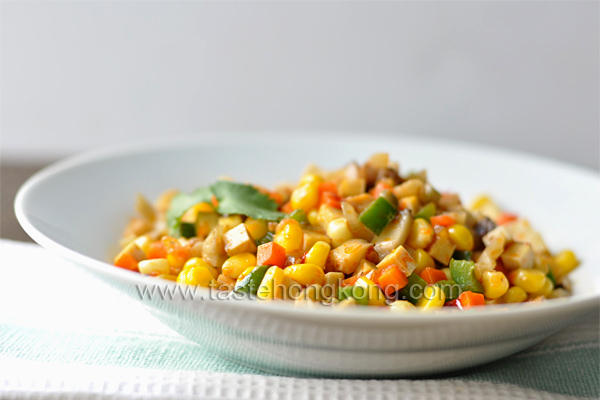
[[57, 322]]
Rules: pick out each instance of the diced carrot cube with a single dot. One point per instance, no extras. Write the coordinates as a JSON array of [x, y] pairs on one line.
[[270, 254], [470, 299], [350, 281], [127, 261], [392, 280], [442, 220], [432, 275], [505, 218], [328, 187], [157, 250], [380, 187], [331, 199]]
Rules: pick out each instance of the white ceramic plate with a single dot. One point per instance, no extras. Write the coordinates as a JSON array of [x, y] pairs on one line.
[[78, 207]]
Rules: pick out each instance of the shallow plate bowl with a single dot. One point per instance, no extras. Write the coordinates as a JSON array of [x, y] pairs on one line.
[[78, 207]]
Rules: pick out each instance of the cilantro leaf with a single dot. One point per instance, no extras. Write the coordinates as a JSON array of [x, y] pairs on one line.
[[182, 202], [237, 198]]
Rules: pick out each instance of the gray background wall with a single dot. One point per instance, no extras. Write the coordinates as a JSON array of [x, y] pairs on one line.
[[78, 75]]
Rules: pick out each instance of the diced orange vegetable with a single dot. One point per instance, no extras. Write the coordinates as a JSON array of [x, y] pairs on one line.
[[442, 220], [350, 281], [505, 218], [276, 197], [174, 247], [270, 254], [380, 187], [127, 261], [214, 201], [432, 275], [469, 299], [157, 250], [331, 199], [328, 187], [392, 279], [287, 207]]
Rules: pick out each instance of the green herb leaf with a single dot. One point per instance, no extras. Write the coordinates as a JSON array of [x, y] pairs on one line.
[[181, 203], [237, 198]]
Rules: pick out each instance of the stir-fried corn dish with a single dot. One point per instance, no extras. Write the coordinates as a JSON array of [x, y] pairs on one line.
[[361, 235]]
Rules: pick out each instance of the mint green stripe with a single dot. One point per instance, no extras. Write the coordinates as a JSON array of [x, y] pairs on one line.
[[569, 372], [564, 371], [131, 352]]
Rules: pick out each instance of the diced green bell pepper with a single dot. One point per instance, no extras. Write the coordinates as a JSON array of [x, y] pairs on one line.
[[252, 281], [379, 214], [461, 255], [450, 288], [426, 212], [299, 215], [265, 239], [413, 290], [463, 272], [358, 293], [187, 230]]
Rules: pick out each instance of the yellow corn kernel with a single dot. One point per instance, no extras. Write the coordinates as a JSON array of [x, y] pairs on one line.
[[374, 293], [461, 237], [244, 274], [257, 228], [546, 289], [305, 274], [423, 260], [168, 277], [305, 197], [272, 287], [529, 279], [176, 262], [339, 232], [565, 262], [433, 297], [311, 178], [410, 202], [200, 276], [421, 234], [318, 254], [514, 295], [198, 262], [156, 266], [495, 284], [313, 217], [230, 222], [402, 305], [234, 266], [290, 236]]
